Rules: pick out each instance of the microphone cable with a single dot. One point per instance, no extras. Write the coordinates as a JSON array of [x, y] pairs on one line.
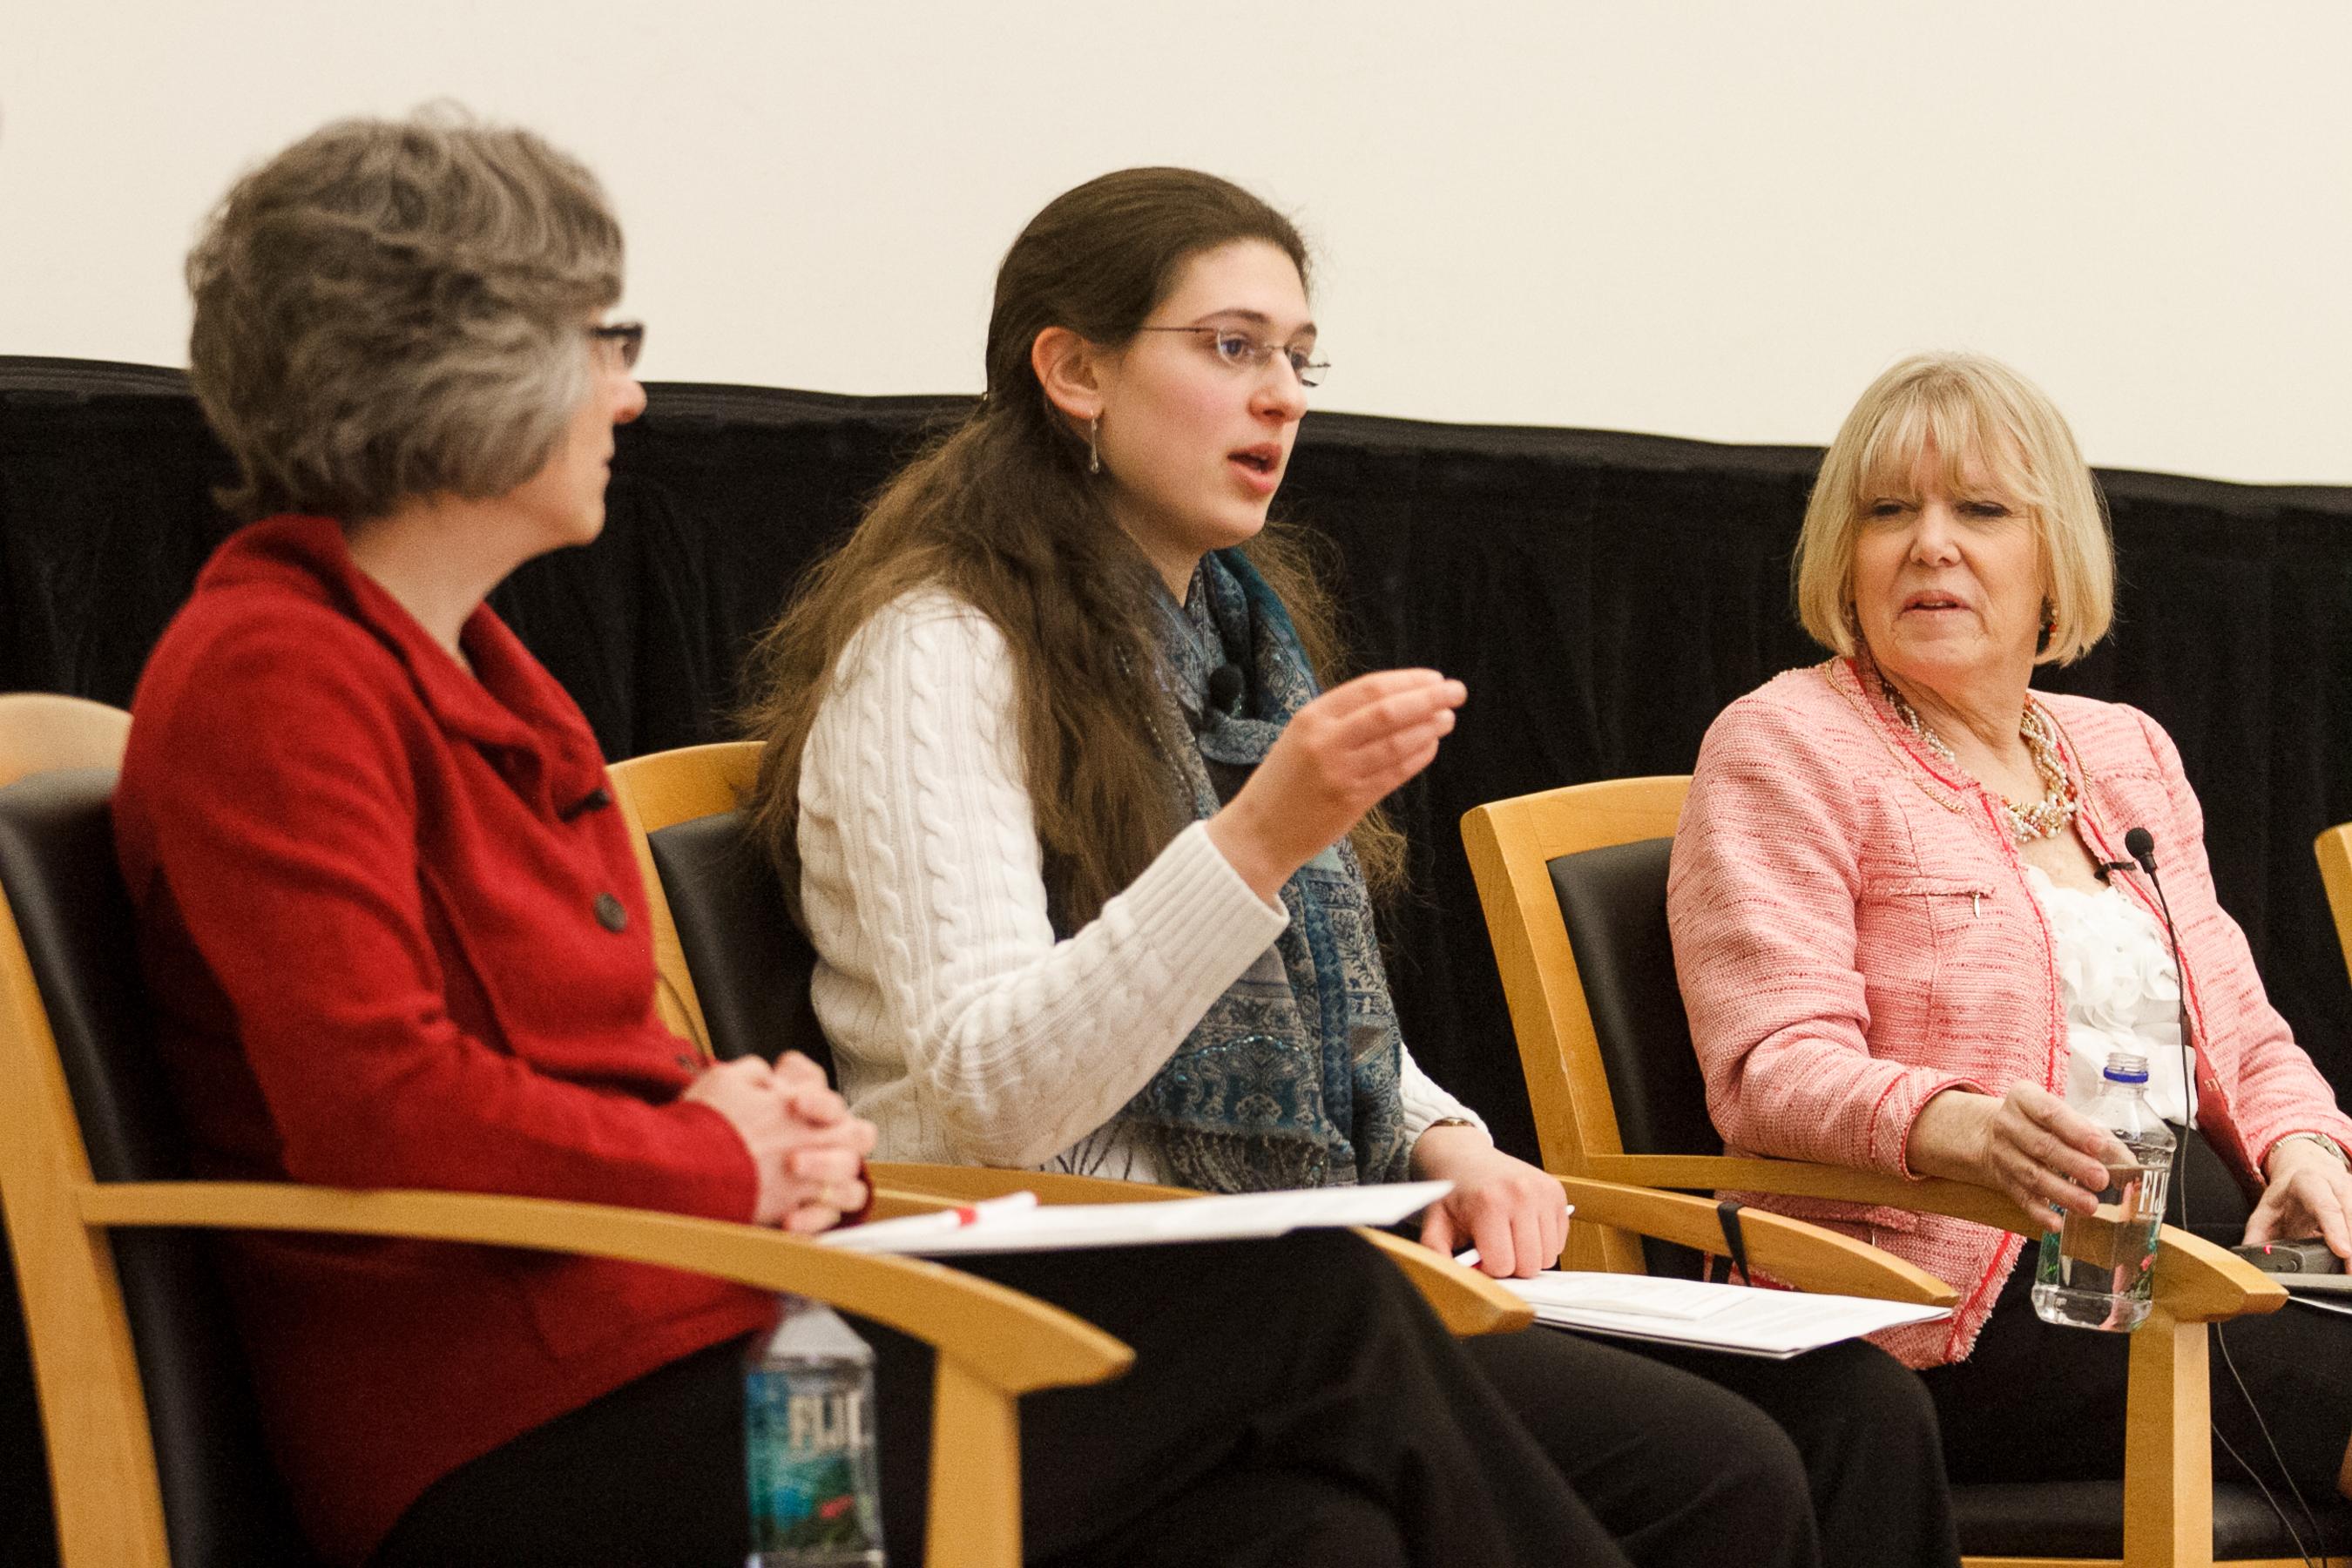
[[2140, 845]]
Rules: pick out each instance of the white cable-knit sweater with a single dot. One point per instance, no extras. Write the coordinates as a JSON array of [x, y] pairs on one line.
[[958, 1025]]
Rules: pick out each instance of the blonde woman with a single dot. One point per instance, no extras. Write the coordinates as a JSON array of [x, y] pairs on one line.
[[1906, 920]]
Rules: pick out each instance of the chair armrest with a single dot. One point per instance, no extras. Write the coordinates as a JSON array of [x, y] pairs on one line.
[[1807, 1255], [943, 1186], [2195, 1281], [1464, 1300], [2198, 1282], [1797, 1179], [1008, 1341]]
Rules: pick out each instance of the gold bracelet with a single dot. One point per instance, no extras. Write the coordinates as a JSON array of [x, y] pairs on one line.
[[2325, 1142]]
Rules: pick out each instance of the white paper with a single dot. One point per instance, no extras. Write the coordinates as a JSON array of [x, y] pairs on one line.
[[1736, 1317], [1059, 1226], [1638, 1295]]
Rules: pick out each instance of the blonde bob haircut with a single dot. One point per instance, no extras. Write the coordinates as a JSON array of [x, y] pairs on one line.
[[1972, 413], [393, 308]]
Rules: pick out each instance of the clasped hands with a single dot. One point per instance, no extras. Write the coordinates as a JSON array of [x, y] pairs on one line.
[[808, 1149], [2052, 1160]]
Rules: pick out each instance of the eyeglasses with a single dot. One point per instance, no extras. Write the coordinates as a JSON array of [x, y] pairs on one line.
[[627, 338], [1238, 349]]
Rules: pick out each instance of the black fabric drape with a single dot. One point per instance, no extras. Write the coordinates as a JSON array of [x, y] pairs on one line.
[[1603, 596]]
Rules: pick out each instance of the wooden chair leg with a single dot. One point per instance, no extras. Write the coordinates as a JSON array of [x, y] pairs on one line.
[[975, 1473], [2169, 1447]]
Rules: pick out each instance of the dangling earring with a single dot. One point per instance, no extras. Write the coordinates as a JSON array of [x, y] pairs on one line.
[[2048, 627], [1094, 444]]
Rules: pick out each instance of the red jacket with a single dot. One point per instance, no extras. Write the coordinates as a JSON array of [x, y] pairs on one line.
[[375, 905], [1853, 932]]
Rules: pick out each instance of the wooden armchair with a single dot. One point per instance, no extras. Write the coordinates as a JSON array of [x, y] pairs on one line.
[[1573, 884], [151, 1432], [2334, 847], [737, 969]]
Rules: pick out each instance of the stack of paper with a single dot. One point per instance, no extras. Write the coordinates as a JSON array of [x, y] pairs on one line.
[[1021, 1224], [1777, 1324]]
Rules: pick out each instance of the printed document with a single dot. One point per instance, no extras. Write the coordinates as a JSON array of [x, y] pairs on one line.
[[999, 1225], [1776, 1324]]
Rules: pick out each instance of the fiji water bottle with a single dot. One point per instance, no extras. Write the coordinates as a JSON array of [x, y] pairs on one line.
[[809, 1444], [2097, 1270]]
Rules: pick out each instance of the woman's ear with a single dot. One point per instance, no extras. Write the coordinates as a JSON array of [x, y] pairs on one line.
[[1070, 370]]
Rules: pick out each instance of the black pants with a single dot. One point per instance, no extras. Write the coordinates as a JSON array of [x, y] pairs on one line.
[[1695, 1456], [2035, 1402], [1293, 1403]]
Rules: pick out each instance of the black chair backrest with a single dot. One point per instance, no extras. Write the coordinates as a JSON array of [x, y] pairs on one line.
[[751, 963], [223, 1504], [1614, 901]]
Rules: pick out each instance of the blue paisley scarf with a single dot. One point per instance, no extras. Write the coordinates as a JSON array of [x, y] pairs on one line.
[[1290, 1080]]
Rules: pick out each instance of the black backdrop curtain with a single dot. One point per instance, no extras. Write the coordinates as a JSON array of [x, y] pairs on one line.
[[1603, 596]]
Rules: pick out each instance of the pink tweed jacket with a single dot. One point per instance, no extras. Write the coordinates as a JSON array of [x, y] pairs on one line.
[[1853, 932]]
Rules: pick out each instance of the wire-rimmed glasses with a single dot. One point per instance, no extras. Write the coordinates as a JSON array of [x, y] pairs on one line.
[[627, 338], [1238, 349]]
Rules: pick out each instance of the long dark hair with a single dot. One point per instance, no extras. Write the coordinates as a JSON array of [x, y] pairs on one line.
[[1002, 513]]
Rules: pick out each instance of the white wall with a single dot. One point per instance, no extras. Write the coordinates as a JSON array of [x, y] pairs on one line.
[[1710, 218]]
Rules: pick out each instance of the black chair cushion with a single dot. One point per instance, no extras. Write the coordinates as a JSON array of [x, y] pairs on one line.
[[751, 963], [1614, 901], [224, 1505]]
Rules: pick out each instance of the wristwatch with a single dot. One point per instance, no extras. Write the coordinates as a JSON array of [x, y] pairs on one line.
[[1445, 1122]]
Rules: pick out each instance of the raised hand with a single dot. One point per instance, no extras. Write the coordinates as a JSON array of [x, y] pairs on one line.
[[1334, 759]]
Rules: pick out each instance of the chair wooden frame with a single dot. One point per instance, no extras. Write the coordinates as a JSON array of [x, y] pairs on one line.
[[993, 1344], [662, 788], [2167, 1469], [40, 731], [2334, 847]]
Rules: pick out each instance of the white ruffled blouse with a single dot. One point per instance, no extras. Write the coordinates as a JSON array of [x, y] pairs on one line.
[[2120, 988]]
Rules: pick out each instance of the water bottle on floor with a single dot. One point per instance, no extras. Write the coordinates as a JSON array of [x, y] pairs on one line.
[[2097, 1270], [809, 1443]]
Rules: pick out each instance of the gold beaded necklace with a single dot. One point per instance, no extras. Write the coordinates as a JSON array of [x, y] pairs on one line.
[[2046, 817]]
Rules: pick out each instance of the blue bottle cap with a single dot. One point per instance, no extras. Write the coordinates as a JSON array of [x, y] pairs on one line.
[[2125, 1067]]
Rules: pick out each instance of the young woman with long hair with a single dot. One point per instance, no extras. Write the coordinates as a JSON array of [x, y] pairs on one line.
[[1088, 854]]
